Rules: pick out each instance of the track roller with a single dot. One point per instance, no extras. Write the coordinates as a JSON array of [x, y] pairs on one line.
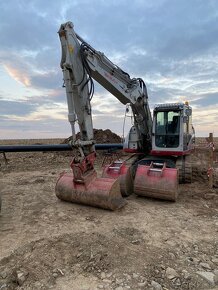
[[184, 166]]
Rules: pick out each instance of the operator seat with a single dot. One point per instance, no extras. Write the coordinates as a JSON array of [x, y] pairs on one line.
[[174, 126]]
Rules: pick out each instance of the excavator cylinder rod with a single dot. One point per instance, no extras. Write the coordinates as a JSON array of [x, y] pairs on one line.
[[156, 183], [53, 147], [93, 191]]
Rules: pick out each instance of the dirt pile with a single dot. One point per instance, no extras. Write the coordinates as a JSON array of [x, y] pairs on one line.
[[100, 136]]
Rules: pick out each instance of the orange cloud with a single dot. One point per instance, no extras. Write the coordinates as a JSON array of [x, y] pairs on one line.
[[19, 75]]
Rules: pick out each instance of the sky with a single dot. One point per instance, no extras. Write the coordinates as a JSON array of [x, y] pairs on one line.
[[171, 44]]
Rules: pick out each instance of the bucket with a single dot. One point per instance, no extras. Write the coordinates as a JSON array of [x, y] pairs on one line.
[[93, 191], [156, 182]]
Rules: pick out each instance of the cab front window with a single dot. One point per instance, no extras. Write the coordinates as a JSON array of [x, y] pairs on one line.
[[167, 129]]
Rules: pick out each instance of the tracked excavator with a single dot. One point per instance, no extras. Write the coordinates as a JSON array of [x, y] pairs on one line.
[[158, 150]]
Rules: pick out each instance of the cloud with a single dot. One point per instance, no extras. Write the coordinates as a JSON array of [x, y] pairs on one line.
[[50, 128], [172, 45], [46, 80], [25, 73], [15, 108], [25, 25], [32, 110], [18, 75], [207, 100]]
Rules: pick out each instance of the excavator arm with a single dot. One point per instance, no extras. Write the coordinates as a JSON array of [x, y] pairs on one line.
[[80, 63], [77, 91]]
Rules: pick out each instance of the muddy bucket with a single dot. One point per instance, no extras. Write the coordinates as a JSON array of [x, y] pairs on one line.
[[119, 170], [93, 191], [161, 183]]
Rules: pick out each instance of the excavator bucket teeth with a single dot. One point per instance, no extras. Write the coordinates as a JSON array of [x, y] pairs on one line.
[[161, 183], [98, 192]]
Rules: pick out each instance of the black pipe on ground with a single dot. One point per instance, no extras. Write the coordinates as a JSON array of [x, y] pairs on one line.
[[53, 147]]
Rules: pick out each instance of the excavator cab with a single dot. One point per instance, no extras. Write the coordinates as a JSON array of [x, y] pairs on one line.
[[172, 132]]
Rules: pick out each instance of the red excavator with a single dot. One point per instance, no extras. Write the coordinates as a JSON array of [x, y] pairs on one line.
[[159, 150]]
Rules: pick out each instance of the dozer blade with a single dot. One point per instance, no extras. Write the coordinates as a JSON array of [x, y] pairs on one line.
[[161, 183], [93, 191]]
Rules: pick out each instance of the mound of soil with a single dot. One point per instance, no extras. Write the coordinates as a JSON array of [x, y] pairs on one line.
[[100, 136]]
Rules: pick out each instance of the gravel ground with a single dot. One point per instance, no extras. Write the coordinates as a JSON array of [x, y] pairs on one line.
[[149, 244]]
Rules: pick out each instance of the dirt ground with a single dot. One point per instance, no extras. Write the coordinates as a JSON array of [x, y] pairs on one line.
[[46, 243]]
